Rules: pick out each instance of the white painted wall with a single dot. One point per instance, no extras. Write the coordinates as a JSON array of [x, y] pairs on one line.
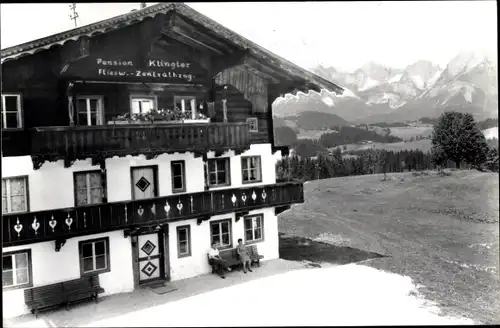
[[51, 186], [50, 267], [196, 264]]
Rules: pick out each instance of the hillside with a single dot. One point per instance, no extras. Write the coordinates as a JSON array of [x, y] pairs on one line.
[[375, 93], [421, 224], [317, 120]]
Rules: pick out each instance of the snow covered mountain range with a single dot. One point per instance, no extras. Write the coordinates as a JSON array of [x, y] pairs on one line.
[[375, 93]]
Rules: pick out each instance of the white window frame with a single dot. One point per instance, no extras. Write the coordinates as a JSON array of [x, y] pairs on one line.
[[106, 254], [183, 175], [15, 284], [137, 96], [247, 161], [219, 223], [217, 171], [255, 121], [19, 111], [187, 241], [251, 217], [8, 195], [88, 187], [184, 100], [100, 109]]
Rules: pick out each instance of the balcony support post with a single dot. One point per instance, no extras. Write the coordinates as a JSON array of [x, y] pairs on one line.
[[37, 161], [201, 219], [239, 215], [59, 244], [70, 95]]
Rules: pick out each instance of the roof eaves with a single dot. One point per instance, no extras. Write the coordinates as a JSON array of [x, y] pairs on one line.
[[78, 32]]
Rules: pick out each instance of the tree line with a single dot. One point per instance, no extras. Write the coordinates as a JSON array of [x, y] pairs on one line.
[[364, 162]]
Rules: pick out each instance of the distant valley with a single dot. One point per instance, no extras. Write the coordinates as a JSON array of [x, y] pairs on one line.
[[311, 133]]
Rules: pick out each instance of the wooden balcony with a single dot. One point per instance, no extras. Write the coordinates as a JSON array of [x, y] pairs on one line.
[[98, 142], [25, 228]]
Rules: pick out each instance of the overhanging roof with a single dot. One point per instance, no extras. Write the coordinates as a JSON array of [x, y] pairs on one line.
[[133, 17]]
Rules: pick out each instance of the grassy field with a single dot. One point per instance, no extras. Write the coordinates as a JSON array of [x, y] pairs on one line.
[[312, 134], [442, 232], [423, 145]]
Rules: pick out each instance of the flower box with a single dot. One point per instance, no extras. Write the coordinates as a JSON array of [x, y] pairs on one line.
[[117, 122]]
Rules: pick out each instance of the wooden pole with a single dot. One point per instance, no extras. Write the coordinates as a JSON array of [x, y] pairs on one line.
[[69, 94]]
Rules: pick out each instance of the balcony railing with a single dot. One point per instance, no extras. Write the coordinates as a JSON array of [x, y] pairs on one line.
[[80, 142], [33, 227]]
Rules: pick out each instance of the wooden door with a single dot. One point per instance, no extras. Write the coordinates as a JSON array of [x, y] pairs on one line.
[[144, 182], [151, 259]]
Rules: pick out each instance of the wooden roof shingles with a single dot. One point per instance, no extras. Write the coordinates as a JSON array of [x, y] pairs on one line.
[[163, 8]]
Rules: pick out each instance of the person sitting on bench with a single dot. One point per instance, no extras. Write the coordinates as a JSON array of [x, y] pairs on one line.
[[244, 257], [215, 259]]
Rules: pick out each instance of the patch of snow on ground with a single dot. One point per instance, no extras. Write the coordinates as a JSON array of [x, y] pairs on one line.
[[329, 238], [477, 267], [491, 133], [370, 83], [349, 93], [434, 78], [328, 101], [488, 246], [395, 78], [319, 296], [468, 94], [419, 82]]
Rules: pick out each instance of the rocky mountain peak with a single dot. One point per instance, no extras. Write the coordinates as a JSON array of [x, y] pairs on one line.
[[375, 93]]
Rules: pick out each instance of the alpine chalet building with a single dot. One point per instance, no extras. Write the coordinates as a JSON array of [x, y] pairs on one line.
[[131, 144]]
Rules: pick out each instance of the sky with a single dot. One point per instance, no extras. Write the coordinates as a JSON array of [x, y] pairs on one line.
[[344, 35]]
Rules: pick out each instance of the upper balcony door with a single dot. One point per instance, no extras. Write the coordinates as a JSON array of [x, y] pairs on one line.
[[90, 110]]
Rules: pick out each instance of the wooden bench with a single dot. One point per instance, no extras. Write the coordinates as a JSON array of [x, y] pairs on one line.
[[62, 293], [254, 254], [229, 255], [233, 259]]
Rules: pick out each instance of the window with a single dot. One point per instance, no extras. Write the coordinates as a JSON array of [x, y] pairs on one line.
[[178, 176], [11, 111], [89, 110], [16, 269], [253, 122], [218, 172], [185, 103], [141, 104], [254, 228], [251, 169], [183, 241], [221, 233], [94, 256], [14, 195], [88, 188]]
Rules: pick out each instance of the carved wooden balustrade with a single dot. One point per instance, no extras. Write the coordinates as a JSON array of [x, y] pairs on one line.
[[80, 142], [31, 227]]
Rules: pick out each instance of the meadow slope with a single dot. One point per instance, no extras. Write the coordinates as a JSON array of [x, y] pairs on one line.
[[442, 232]]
